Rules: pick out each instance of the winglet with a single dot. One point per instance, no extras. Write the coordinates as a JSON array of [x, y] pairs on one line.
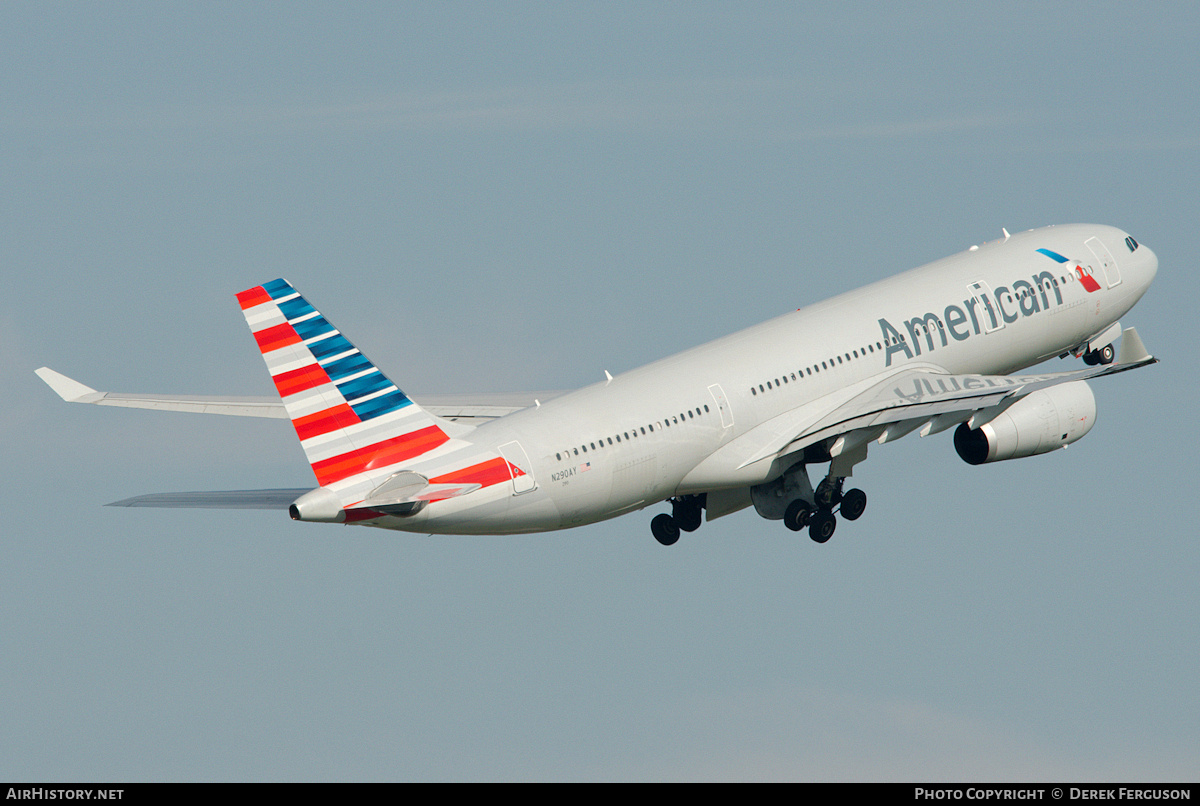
[[1132, 349], [69, 390]]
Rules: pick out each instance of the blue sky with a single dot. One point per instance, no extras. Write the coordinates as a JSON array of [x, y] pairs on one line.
[[492, 197]]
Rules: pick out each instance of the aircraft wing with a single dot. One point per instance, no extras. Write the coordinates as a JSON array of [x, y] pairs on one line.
[[918, 399], [472, 408]]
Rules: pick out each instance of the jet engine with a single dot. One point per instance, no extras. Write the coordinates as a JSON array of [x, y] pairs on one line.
[[1044, 421]]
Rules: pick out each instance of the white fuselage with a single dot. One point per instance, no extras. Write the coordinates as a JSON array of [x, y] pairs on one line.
[[672, 427]]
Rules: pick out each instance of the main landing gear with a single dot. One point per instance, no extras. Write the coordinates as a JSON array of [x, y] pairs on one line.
[[819, 516], [687, 512], [789, 498]]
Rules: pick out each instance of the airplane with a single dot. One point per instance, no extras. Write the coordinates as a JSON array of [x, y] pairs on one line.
[[731, 424]]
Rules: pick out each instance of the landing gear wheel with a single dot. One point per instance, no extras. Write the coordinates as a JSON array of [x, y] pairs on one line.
[[688, 516], [854, 503], [1104, 355], [665, 529], [795, 517], [821, 527]]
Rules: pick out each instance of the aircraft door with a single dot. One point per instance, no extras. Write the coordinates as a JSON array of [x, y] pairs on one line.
[[718, 396], [522, 475], [985, 307], [1111, 274]]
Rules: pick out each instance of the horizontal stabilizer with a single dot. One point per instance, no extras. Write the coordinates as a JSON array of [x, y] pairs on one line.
[[407, 487], [440, 492], [228, 499]]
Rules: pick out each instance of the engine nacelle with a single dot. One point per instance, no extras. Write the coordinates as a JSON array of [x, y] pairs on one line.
[[1044, 421]]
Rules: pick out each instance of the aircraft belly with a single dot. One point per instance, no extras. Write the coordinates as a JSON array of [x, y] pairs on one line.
[[585, 498], [496, 515], [633, 480]]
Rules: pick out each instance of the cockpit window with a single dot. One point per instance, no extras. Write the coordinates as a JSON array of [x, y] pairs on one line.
[[1131, 243]]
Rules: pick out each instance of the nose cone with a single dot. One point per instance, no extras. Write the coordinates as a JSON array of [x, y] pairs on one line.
[[1150, 263], [1143, 268]]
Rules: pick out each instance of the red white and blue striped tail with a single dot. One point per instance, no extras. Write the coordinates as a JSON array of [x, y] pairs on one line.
[[355, 425]]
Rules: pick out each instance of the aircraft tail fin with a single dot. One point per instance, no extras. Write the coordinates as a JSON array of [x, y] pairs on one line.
[[354, 424]]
